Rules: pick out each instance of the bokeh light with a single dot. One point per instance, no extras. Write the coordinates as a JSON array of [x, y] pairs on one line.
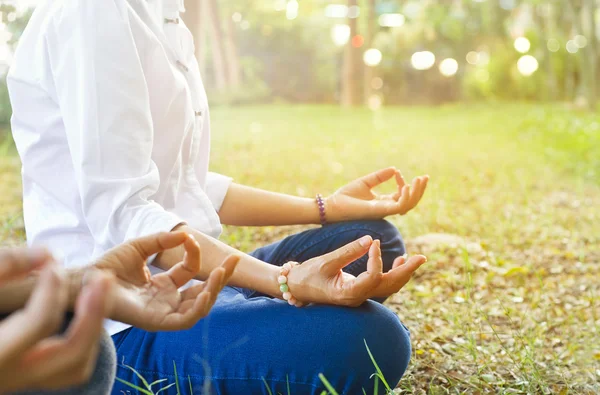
[[376, 83], [358, 41], [527, 65], [236, 17], [391, 20], [291, 10], [372, 57], [340, 34], [572, 47], [473, 57], [580, 41], [353, 12], [522, 44], [553, 45], [423, 60], [336, 11], [449, 67], [375, 102]]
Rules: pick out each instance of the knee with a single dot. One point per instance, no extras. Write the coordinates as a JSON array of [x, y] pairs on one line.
[[389, 342], [374, 326]]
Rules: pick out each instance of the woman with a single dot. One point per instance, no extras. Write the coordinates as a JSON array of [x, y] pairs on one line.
[[118, 147], [81, 360]]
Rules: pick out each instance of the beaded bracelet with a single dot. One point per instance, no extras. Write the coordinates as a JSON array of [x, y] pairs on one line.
[[283, 284], [321, 205]]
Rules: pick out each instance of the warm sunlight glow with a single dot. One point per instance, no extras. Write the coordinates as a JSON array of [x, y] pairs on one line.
[[522, 45], [527, 65], [340, 34], [423, 60], [391, 20], [449, 67], [372, 57]]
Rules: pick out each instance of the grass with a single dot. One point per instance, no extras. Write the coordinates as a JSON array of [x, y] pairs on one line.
[[509, 301]]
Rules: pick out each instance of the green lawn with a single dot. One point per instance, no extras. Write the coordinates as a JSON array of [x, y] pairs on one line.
[[509, 302]]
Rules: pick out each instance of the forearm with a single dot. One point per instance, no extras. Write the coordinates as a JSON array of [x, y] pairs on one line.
[[14, 295], [246, 206], [250, 272]]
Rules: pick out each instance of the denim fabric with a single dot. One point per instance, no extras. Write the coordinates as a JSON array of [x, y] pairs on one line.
[[249, 338]]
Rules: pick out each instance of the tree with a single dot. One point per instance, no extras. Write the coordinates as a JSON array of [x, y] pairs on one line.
[[351, 73]]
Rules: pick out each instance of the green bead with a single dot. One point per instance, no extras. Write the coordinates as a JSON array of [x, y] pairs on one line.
[[284, 288]]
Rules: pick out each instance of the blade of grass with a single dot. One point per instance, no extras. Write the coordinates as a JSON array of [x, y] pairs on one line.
[[135, 387], [327, 384], [165, 388], [176, 378], [139, 376], [376, 386], [156, 382], [379, 373], [190, 383], [267, 385], [287, 380]]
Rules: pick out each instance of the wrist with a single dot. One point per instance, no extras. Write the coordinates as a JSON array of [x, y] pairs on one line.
[[75, 284]]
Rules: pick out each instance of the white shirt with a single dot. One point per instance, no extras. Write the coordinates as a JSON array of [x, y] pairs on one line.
[[111, 121]]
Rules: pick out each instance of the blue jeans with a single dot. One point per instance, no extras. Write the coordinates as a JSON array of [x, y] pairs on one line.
[[249, 339]]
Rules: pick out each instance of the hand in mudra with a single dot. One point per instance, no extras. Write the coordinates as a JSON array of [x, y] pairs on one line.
[[357, 201], [155, 302], [321, 279]]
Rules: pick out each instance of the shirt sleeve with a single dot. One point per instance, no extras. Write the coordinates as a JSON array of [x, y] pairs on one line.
[[216, 188], [104, 101]]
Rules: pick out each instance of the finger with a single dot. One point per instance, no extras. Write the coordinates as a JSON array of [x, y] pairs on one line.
[[340, 258], [401, 183], [364, 285], [17, 262], [41, 317], [375, 263], [215, 281], [405, 268], [378, 177], [404, 200], [414, 196], [229, 265], [186, 270], [425, 180], [154, 244], [400, 261], [81, 339]]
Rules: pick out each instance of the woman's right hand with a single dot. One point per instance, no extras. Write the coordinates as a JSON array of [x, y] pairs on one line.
[[321, 279]]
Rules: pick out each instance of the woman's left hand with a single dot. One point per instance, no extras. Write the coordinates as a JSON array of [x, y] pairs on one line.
[[357, 200]]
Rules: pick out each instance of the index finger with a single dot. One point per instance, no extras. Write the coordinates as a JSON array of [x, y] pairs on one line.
[[378, 177], [154, 244]]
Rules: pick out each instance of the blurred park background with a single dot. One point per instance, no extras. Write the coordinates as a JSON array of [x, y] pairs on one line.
[[495, 99]]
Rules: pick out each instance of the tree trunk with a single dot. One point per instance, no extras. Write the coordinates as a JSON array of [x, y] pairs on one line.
[[219, 54], [549, 23], [351, 76], [195, 19], [588, 29], [233, 58], [369, 71]]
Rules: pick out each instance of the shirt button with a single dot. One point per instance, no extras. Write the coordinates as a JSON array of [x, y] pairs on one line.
[[173, 21], [182, 66]]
